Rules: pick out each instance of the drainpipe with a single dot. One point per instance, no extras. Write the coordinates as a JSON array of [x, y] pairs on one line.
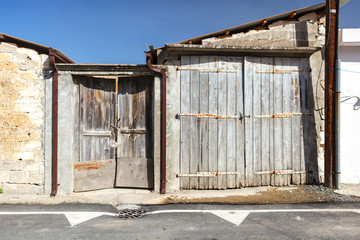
[[54, 162], [149, 59], [337, 167]]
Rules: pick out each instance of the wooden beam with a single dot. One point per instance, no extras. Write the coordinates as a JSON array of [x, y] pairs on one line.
[[292, 15]]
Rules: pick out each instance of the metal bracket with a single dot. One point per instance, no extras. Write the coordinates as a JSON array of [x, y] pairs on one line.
[[205, 174], [116, 128], [282, 172]]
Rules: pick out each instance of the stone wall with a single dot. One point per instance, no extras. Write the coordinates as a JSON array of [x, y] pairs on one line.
[[21, 119], [307, 31]]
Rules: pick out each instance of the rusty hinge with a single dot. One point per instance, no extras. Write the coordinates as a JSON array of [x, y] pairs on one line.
[[240, 117], [281, 115], [282, 71], [282, 172], [205, 174], [209, 115], [207, 70]]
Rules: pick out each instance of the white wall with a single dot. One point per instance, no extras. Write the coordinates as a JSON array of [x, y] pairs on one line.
[[349, 54]]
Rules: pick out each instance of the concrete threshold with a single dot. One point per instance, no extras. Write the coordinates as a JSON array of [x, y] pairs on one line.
[[251, 195]]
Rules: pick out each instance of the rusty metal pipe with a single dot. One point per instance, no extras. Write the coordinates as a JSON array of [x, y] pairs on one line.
[[149, 59], [337, 167], [332, 19], [54, 161]]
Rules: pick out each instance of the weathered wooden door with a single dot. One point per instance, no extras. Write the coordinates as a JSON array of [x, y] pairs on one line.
[[277, 101], [135, 166], [211, 130], [245, 122], [95, 168]]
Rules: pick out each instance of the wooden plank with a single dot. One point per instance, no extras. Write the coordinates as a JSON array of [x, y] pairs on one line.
[[140, 176], [204, 122], [81, 123], [222, 130], [305, 81], [231, 123], [278, 123], [213, 123], [240, 138], [271, 121], [98, 148], [98, 133], [256, 121], [265, 122], [287, 122], [185, 122], [248, 106], [296, 120], [92, 175], [77, 133], [195, 122]]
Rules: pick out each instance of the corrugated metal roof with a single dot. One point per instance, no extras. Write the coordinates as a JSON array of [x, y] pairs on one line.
[[251, 25], [60, 57]]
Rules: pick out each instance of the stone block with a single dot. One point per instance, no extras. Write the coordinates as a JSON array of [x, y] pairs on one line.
[[8, 147], [310, 17], [5, 57], [22, 189], [25, 156], [8, 47], [322, 29], [11, 66], [16, 119], [19, 176], [36, 178], [4, 176], [13, 75], [278, 24], [13, 165], [27, 76]]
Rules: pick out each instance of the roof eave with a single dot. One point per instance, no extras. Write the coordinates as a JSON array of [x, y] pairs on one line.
[[247, 26], [60, 57]]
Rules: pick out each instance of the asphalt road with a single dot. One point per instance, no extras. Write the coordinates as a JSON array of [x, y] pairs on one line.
[[183, 221]]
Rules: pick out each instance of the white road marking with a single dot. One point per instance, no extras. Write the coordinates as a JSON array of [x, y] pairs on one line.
[[74, 218], [238, 216]]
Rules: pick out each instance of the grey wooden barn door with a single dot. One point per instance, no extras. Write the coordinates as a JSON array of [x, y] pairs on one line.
[[245, 122], [95, 168], [135, 166], [276, 129], [212, 138]]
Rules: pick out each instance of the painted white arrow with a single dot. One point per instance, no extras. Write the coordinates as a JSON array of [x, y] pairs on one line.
[[238, 216], [77, 218], [74, 218]]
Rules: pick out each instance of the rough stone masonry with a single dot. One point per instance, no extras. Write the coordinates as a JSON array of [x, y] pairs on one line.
[[22, 90]]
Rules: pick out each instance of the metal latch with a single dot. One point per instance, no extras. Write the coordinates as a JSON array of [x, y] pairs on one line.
[[242, 116]]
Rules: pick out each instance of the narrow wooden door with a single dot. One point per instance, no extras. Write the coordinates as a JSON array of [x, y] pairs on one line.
[[135, 166], [96, 166], [212, 131]]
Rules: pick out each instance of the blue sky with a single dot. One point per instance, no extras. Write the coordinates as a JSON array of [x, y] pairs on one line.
[[109, 31]]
